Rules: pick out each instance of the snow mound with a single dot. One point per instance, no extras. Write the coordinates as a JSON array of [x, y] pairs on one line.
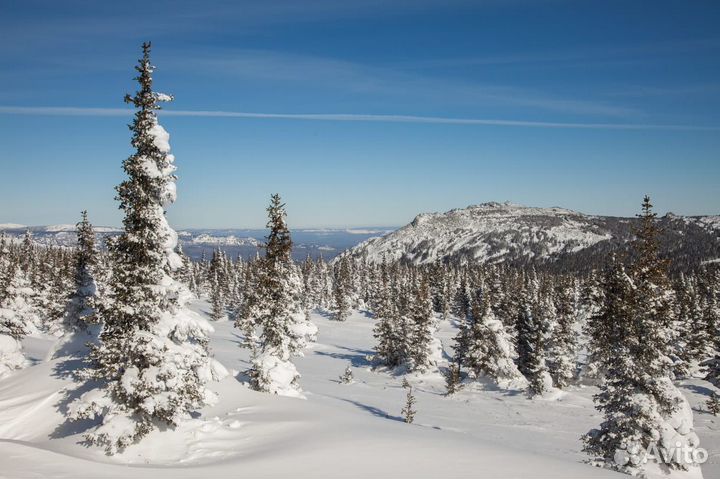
[[11, 355]]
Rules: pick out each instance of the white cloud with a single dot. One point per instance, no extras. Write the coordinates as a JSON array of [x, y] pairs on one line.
[[350, 117]]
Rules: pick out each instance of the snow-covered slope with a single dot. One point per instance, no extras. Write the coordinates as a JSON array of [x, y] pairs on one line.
[[494, 232], [486, 232], [341, 430]]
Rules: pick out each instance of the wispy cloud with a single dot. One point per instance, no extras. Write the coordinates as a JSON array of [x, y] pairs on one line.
[[301, 71], [350, 117], [706, 90], [580, 56]]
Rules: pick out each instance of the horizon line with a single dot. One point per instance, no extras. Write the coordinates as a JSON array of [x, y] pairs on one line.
[[351, 117]]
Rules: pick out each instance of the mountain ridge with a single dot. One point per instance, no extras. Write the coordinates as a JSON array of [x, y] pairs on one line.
[[506, 232]]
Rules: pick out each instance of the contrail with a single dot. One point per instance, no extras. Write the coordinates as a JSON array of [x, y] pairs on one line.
[[348, 117]]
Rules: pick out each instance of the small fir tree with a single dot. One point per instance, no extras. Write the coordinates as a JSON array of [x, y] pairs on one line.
[[489, 349], [80, 312], [277, 311], [452, 379], [347, 376], [713, 404], [408, 411]]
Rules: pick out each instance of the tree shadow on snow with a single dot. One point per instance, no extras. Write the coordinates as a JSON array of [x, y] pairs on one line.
[[69, 427], [357, 357], [329, 315], [324, 313], [72, 357], [482, 383], [243, 377], [447, 356], [375, 411], [699, 389]]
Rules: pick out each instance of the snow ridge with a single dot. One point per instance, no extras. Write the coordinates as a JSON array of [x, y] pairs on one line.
[[489, 232], [506, 232]]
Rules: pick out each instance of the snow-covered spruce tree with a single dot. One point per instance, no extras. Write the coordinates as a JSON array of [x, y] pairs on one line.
[[391, 347], [218, 276], [489, 349], [642, 407], [18, 309], [309, 284], [463, 298], [217, 300], [628, 424], [342, 287], [599, 323], [278, 313], [152, 362], [692, 343], [562, 350], [16, 313], [250, 308], [424, 349], [465, 330], [80, 310], [531, 342]]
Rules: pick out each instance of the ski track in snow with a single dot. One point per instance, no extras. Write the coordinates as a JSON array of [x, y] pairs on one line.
[[340, 430]]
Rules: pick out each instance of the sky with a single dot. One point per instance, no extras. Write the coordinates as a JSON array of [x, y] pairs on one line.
[[364, 112]]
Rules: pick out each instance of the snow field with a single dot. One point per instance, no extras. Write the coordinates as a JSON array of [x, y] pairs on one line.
[[339, 430]]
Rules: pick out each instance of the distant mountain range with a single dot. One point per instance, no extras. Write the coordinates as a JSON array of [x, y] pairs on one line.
[[487, 233], [325, 242], [552, 237]]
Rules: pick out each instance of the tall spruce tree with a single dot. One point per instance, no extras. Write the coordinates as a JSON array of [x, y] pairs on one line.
[[152, 363], [342, 287], [562, 350], [465, 330], [391, 344], [642, 407], [531, 336], [424, 349], [598, 327]]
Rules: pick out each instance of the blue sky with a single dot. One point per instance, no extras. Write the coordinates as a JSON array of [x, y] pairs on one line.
[[365, 112]]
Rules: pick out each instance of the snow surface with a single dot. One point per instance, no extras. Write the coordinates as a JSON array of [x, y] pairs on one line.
[[340, 430]]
